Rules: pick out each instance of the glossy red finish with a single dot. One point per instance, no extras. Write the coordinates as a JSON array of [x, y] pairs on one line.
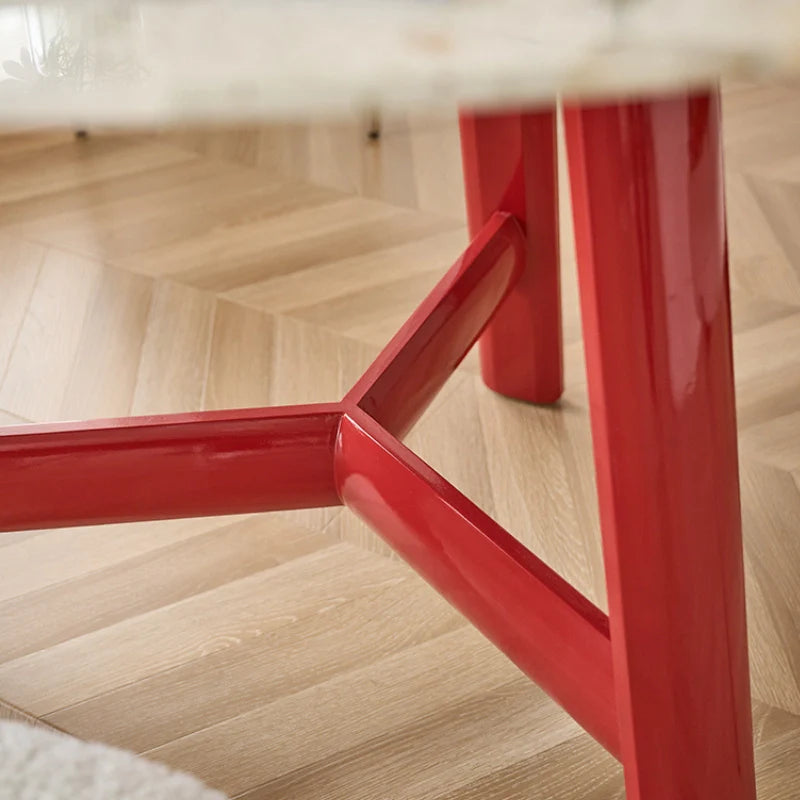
[[510, 165], [667, 688], [649, 218], [546, 627], [411, 369], [180, 465]]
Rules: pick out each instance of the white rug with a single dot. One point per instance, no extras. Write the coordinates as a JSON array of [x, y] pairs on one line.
[[38, 764]]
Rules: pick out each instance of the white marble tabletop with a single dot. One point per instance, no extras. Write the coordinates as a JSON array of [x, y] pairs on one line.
[[152, 61]]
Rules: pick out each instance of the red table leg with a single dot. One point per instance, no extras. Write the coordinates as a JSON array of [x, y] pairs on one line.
[[510, 165], [649, 217]]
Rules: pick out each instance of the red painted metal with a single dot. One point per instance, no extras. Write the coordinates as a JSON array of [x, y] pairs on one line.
[[510, 165], [667, 689], [411, 369], [180, 465], [553, 633], [649, 219]]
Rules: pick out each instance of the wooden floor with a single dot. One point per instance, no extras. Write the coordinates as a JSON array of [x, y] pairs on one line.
[[289, 655]]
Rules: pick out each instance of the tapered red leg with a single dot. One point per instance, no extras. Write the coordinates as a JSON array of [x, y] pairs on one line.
[[649, 218], [510, 165]]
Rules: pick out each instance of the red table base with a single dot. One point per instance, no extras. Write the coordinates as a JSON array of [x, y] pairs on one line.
[[662, 684]]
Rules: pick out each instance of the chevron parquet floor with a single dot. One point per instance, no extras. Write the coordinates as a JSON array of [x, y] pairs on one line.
[[289, 655]]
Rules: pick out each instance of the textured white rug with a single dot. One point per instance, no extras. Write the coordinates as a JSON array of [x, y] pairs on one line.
[[38, 764]]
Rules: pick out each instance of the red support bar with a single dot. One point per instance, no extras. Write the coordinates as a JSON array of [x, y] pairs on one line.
[[182, 465], [411, 369], [553, 633]]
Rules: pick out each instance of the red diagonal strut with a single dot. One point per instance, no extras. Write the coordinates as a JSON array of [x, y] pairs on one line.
[[550, 631], [411, 369]]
